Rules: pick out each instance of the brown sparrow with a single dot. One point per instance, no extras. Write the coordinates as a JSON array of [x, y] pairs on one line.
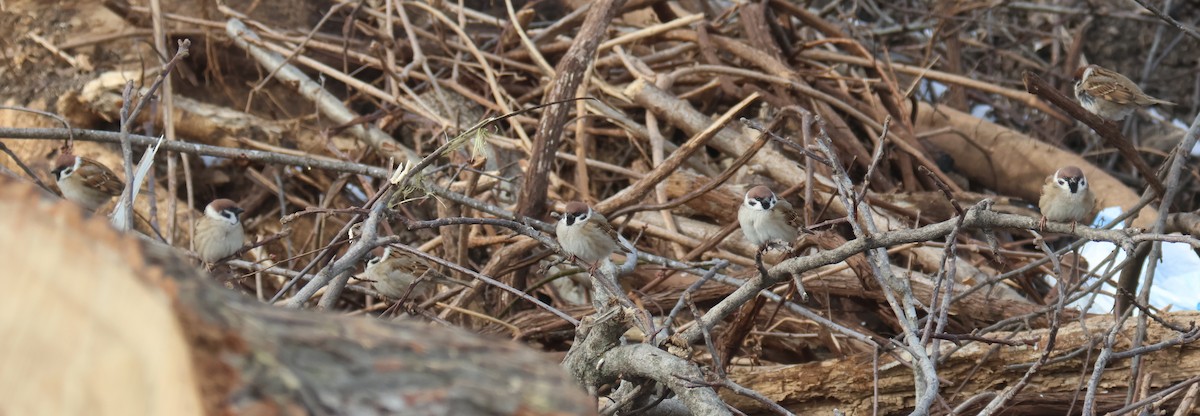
[[396, 270], [585, 234], [219, 233], [1066, 197], [768, 219], [1109, 94], [85, 181]]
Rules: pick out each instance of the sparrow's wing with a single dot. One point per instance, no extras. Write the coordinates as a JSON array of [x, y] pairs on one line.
[[418, 267], [1089, 201], [97, 176], [794, 217], [1048, 191], [601, 221], [1113, 87], [409, 263]]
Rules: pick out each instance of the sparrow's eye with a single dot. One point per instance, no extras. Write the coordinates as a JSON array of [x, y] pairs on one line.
[[1083, 182], [1062, 181]]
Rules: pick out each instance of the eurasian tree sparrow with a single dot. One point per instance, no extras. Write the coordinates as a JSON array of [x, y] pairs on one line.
[[765, 218], [1066, 197], [219, 232], [1109, 94], [585, 234], [394, 271], [85, 181]]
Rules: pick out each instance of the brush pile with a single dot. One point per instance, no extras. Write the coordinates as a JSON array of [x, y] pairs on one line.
[[903, 136]]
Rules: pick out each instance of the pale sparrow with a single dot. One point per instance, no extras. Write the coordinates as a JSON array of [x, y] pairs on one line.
[[585, 234], [767, 219], [219, 232], [85, 181], [395, 270], [1066, 197], [1109, 94]]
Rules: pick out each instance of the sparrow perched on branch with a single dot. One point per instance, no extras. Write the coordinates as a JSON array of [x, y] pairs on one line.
[[1109, 94], [585, 234], [767, 219], [396, 270], [85, 181], [219, 232], [1066, 197]]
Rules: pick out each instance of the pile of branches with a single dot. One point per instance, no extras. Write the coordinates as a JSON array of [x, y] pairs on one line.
[[456, 133]]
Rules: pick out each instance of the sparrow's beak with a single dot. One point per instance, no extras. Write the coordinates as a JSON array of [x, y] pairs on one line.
[[1073, 183]]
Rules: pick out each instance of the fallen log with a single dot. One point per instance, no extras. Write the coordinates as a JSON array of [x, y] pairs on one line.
[[102, 323], [979, 368]]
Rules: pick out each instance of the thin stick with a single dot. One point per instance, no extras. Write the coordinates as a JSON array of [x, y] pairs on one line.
[[24, 168], [1178, 25]]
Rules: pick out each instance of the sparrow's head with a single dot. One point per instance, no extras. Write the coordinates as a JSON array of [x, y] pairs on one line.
[[1082, 72], [65, 165], [576, 213], [378, 256], [223, 210], [1082, 76], [1070, 179], [761, 198]]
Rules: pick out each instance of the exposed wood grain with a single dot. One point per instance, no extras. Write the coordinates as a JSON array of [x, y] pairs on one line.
[[819, 387]]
